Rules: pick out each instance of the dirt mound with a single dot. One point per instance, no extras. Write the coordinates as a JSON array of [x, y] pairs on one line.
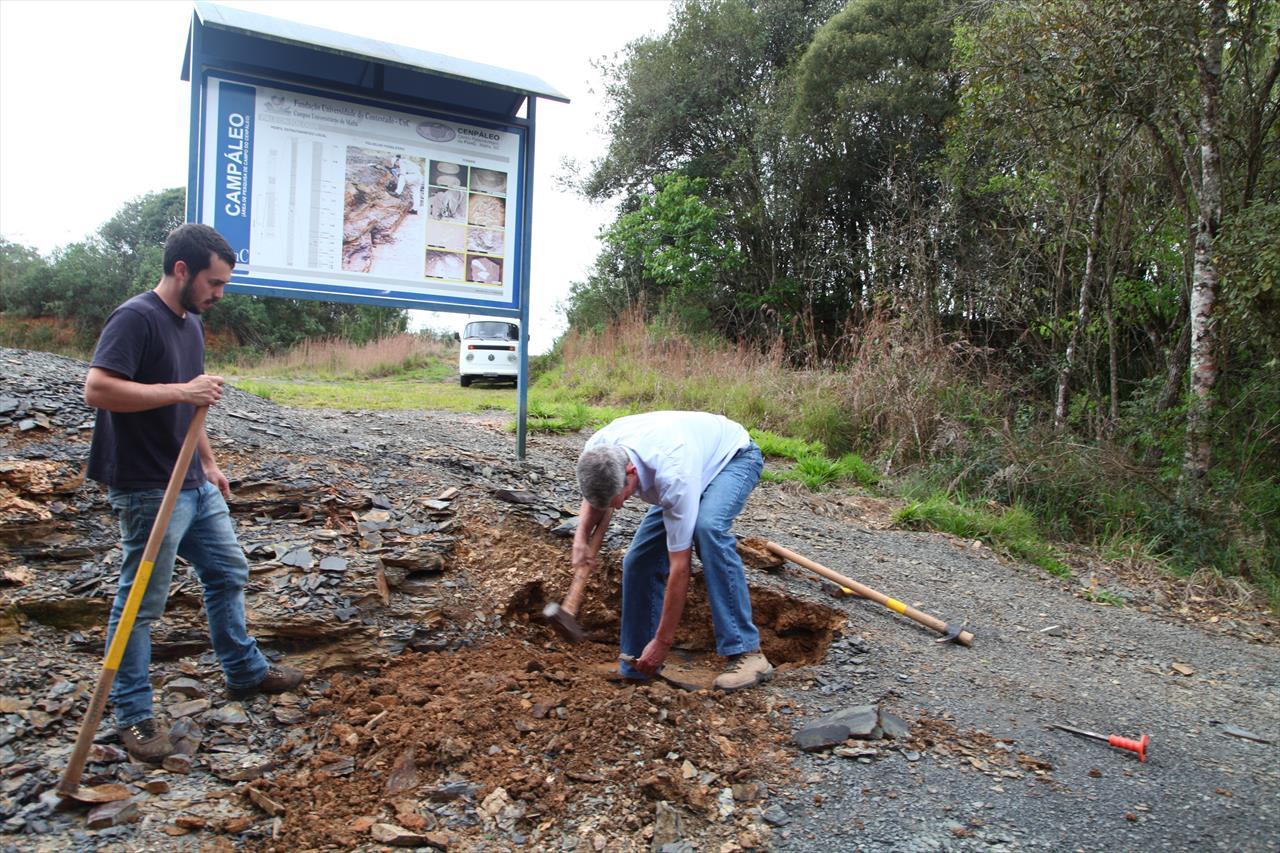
[[436, 740]]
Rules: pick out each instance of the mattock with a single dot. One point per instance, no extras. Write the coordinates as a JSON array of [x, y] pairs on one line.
[[563, 617], [952, 632]]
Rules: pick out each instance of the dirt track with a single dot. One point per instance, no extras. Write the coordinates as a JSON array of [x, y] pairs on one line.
[[443, 708]]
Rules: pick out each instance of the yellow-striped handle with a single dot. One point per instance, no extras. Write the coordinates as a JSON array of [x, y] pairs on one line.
[[895, 605], [125, 626]]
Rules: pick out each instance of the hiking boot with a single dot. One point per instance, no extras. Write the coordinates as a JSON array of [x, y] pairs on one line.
[[744, 670], [146, 741], [277, 680]]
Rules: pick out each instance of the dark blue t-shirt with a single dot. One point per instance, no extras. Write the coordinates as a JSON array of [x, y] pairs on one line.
[[146, 342]]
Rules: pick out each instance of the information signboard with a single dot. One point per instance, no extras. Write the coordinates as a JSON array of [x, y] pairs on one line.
[[341, 198]]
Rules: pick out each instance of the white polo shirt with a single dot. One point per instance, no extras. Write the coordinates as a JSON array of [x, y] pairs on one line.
[[677, 455]]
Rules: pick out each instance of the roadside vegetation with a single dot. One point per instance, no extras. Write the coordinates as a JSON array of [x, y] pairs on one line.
[[1014, 263]]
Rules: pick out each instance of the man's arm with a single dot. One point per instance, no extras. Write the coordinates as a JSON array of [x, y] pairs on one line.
[[655, 653], [588, 519], [104, 389], [585, 547]]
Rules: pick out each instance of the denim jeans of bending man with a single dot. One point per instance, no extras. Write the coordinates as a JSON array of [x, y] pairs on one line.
[[646, 566], [202, 533]]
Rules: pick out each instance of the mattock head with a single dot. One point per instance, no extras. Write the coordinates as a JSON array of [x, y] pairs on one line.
[[951, 633], [563, 623]]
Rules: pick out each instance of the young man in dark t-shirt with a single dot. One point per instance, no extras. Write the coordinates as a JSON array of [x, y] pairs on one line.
[[146, 380]]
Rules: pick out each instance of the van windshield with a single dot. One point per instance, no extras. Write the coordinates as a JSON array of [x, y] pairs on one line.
[[493, 331]]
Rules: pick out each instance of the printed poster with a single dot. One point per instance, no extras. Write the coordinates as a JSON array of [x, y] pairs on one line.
[[316, 190]]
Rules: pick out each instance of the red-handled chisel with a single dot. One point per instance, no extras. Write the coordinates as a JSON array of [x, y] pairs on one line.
[[1139, 746]]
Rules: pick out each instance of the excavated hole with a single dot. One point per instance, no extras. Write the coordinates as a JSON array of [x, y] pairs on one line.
[[524, 568]]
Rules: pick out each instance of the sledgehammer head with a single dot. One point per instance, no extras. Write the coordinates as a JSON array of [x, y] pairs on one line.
[[563, 623]]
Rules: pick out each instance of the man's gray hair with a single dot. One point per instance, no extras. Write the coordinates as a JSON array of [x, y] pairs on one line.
[[602, 472]]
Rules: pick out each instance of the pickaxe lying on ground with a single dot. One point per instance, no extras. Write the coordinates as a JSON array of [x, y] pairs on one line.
[[950, 633], [563, 617]]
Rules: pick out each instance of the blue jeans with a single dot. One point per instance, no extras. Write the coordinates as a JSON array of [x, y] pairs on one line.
[[646, 566], [202, 532]]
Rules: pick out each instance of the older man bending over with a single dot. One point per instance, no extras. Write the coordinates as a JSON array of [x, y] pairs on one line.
[[697, 470]]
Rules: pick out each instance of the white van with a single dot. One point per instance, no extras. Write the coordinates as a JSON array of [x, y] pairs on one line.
[[489, 349]]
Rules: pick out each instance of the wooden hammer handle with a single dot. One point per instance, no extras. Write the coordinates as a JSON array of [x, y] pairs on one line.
[[573, 598], [964, 638]]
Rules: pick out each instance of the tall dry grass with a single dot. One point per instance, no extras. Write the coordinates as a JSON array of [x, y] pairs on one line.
[[887, 395], [334, 358]]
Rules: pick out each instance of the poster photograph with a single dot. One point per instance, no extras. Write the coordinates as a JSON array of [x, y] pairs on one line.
[[358, 197]]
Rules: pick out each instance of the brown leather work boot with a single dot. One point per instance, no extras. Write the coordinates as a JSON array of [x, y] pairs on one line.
[[277, 680], [146, 741], [745, 670]]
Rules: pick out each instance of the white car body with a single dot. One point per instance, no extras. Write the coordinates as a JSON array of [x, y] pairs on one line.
[[489, 349]]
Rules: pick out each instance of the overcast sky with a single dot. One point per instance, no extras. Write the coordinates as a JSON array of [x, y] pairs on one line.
[[93, 113]]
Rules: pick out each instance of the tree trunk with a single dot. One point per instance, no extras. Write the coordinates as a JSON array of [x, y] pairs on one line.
[[1086, 298], [1113, 363], [1204, 288]]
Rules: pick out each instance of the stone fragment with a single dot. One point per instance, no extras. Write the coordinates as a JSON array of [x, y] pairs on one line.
[[1244, 734], [668, 828], [179, 763], [893, 726], [106, 753], [404, 774], [188, 687], [236, 825], [333, 564], [189, 708], [231, 714], [724, 803], [112, 814], [776, 815], [264, 802], [299, 558], [395, 836], [111, 792], [452, 791], [857, 752], [861, 720], [815, 738], [239, 768]]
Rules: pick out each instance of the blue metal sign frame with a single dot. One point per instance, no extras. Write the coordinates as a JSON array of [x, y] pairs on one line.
[[246, 48]]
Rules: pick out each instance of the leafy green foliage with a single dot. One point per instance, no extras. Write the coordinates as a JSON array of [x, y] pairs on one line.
[[1013, 531]]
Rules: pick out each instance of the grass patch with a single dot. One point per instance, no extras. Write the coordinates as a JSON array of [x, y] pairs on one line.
[[784, 447], [380, 394], [1012, 532], [1099, 595], [817, 472]]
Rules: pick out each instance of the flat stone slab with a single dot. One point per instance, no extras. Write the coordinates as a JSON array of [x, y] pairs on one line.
[[861, 720], [814, 738]]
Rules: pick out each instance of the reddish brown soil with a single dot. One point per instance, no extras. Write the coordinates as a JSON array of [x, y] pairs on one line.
[[547, 726]]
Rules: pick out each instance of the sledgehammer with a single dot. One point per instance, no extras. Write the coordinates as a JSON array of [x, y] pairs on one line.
[[563, 617]]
